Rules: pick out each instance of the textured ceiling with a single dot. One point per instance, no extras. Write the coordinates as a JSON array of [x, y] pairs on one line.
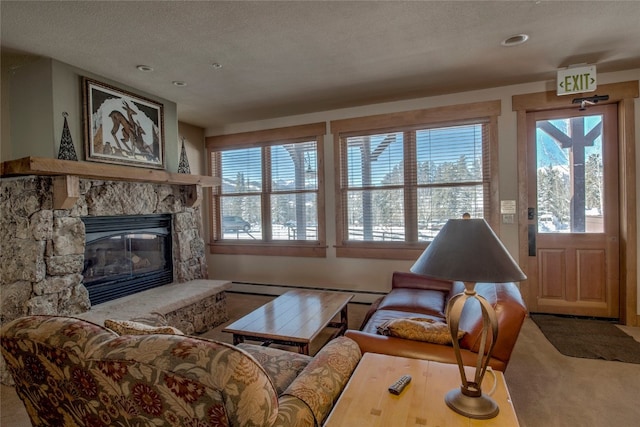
[[295, 57]]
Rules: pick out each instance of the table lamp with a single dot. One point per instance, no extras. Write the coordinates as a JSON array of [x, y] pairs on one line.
[[467, 250]]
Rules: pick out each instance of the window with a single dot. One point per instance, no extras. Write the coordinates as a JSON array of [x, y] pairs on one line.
[[271, 199], [402, 176], [570, 174]]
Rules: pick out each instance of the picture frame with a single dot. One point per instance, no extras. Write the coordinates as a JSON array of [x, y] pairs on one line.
[[122, 127]]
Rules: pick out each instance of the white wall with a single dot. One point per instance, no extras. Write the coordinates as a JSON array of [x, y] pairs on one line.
[[31, 101], [37, 92], [367, 274], [194, 147]]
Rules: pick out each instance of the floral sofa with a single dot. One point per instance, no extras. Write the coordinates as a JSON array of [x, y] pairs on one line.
[[69, 372]]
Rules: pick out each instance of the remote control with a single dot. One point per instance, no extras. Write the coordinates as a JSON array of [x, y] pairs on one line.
[[397, 387]]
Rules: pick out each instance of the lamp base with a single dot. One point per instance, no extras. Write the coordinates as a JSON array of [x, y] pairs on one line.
[[481, 407]]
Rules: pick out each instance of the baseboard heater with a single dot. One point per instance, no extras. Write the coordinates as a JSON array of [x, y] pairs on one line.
[[360, 297]]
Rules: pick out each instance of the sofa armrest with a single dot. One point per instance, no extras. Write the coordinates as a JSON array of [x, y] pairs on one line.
[[294, 412], [282, 366], [382, 344], [320, 384], [507, 302]]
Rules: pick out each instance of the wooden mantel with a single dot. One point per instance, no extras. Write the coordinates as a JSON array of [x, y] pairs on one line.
[[68, 172], [44, 166]]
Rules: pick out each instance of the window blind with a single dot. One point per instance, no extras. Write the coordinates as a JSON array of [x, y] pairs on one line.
[[402, 185], [270, 188]]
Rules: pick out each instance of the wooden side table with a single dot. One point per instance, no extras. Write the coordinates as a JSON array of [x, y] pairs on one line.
[[365, 400]]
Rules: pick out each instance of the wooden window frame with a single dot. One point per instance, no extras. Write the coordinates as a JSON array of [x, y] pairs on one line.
[[487, 112], [266, 138]]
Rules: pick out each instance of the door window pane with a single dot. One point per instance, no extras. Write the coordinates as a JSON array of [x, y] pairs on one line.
[[569, 175]]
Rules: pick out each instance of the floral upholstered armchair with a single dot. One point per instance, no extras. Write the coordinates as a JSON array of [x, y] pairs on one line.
[[69, 372]]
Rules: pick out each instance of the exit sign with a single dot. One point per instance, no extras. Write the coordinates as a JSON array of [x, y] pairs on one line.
[[576, 80]]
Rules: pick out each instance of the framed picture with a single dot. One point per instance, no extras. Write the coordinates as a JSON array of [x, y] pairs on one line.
[[121, 127]]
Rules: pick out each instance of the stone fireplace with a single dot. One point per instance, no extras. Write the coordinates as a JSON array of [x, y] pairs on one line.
[[42, 250]]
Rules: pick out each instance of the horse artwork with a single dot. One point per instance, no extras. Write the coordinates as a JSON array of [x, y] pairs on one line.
[[129, 127], [122, 127]]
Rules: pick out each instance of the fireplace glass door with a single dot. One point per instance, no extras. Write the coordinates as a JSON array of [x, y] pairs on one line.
[[125, 255]]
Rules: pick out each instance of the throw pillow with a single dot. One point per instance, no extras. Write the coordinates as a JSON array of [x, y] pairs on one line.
[[418, 329], [129, 327]]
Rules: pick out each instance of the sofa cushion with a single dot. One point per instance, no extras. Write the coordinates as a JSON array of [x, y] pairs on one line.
[[421, 301], [129, 327], [381, 316], [418, 329], [282, 366]]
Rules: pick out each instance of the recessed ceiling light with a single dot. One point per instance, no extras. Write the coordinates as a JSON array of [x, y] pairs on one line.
[[216, 66], [145, 68], [515, 40], [179, 83]]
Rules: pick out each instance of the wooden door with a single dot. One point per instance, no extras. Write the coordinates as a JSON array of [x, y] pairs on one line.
[[573, 221]]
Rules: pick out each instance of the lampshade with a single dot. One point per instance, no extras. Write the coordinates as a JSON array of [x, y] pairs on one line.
[[469, 251]]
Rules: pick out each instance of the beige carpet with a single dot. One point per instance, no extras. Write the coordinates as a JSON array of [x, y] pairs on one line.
[[547, 388]]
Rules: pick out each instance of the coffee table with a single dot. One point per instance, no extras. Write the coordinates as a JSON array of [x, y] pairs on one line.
[[365, 400], [295, 318]]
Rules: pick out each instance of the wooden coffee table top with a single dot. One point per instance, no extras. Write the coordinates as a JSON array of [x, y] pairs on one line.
[[365, 401], [296, 316]]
